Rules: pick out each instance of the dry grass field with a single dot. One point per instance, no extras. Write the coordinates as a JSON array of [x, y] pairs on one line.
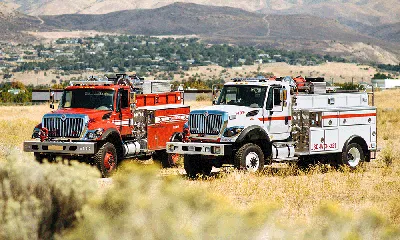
[[347, 73], [281, 202]]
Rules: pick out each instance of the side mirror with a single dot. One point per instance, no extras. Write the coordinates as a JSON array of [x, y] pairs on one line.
[[52, 106]]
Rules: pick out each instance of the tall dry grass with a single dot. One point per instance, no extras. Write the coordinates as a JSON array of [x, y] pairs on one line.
[[17, 123], [141, 205], [281, 202]]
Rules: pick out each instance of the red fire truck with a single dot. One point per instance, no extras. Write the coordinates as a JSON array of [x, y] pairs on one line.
[[105, 121]]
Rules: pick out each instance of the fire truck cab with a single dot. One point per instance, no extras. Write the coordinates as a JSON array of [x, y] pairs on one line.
[[105, 121], [258, 121]]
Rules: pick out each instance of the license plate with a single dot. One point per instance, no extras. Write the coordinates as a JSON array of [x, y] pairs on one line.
[[55, 147], [191, 148]]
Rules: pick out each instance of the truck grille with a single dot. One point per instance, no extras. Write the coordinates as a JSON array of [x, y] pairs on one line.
[[205, 124], [68, 128]]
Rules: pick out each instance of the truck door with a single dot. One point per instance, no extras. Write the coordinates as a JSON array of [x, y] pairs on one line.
[[124, 114], [277, 118]]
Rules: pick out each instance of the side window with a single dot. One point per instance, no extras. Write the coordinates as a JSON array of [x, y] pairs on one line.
[[269, 105], [68, 96], [124, 99], [277, 97], [231, 95]]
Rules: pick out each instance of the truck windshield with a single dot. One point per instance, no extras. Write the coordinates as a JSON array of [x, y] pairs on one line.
[[88, 98], [243, 95]]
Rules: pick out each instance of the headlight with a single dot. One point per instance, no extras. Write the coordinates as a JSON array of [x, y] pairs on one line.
[[233, 131], [94, 134]]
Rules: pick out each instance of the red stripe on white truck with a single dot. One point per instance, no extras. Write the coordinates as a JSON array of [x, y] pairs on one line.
[[282, 118], [353, 115]]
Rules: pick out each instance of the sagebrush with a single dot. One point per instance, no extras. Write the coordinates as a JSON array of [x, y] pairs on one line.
[[39, 200]]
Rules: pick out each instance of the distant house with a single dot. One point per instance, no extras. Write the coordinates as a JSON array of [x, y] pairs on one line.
[[385, 83], [15, 91]]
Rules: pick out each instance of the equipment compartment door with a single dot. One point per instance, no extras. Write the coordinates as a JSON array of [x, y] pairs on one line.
[[331, 139], [317, 140]]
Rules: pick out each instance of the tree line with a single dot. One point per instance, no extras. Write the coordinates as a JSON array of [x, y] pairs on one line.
[[133, 53]]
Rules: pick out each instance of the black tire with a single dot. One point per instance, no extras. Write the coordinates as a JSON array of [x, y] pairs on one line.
[[40, 158], [304, 162], [353, 156], [249, 157], [166, 160], [194, 165], [106, 159], [170, 161]]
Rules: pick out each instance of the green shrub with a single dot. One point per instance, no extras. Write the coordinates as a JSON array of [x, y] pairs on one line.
[[140, 205], [143, 205], [39, 200]]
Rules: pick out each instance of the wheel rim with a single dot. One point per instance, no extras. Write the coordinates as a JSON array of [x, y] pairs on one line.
[[252, 161], [174, 158], [109, 161], [353, 156]]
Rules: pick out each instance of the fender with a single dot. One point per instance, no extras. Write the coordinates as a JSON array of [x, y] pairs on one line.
[[261, 133], [354, 138], [360, 141], [110, 131], [176, 137]]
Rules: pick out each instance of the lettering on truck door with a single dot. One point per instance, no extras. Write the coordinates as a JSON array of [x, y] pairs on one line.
[[277, 118]]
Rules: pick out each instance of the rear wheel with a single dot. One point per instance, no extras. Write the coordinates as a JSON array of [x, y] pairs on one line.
[[106, 159], [172, 159], [249, 157], [167, 160], [194, 165], [353, 156]]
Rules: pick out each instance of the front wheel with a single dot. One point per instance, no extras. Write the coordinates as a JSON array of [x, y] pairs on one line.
[[249, 157], [195, 164], [353, 155], [42, 157], [106, 159]]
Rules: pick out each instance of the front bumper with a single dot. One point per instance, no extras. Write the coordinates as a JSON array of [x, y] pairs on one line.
[[76, 148], [192, 148]]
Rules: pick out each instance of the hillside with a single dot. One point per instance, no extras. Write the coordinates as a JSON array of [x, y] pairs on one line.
[[12, 23], [369, 12], [388, 32], [233, 25], [186, 19]]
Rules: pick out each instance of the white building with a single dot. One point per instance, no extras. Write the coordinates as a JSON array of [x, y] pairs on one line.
[[385, 83]]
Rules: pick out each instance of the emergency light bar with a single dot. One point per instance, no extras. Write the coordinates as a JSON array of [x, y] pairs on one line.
[[87, 83], [263, 79]]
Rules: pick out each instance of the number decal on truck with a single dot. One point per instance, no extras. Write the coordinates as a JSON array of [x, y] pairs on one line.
[[320, 146]]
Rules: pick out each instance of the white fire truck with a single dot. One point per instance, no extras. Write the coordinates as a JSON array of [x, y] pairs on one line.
[[259, 121]]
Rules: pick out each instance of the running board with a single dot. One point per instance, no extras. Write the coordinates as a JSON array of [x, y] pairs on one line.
[[291, 159]]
